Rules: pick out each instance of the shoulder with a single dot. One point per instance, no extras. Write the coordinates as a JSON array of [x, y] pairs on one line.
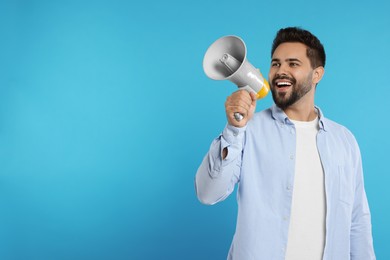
[[339, 131], [336, 127]]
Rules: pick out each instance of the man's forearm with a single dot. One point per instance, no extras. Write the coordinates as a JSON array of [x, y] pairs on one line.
[[220, 169]]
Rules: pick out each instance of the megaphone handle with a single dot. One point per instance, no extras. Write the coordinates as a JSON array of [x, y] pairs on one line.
[[237, 115]]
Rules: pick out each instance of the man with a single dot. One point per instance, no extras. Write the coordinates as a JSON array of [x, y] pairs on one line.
[[300, 182]]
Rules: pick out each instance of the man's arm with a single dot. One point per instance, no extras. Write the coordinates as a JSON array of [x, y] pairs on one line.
[[220, 169]]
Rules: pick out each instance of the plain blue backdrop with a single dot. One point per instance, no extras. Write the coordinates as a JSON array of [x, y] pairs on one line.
[[106, 113]]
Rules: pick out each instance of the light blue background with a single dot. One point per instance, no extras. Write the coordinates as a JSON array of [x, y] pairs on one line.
[[105, 115]]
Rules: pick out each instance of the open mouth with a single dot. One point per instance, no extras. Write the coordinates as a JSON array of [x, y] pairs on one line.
[[283, 85]]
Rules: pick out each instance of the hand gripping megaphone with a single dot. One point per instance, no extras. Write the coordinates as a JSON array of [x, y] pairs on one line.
[[226, 59]]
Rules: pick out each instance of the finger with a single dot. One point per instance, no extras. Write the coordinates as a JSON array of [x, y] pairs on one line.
[[239, 107], [239, 102], [253, 96], [243, 95], [254, 99], [239, 99]]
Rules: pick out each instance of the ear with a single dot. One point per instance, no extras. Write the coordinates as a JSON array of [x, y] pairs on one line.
[[317, 74]]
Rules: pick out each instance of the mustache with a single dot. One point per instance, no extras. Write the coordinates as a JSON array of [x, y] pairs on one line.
[[291, 79]]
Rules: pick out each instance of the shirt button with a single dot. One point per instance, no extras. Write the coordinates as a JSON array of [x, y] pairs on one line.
[[289, 187], [285, 218], [235, 133], [292, 157]]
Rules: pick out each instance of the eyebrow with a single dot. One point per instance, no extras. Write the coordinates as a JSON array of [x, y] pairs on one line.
[[288, 60]]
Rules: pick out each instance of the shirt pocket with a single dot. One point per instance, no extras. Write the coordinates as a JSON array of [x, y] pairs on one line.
[[345, 185]]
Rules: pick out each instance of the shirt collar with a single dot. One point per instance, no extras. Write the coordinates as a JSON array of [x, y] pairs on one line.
[[279, 115]]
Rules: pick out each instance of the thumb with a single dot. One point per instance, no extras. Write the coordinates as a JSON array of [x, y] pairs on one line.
[[253, 104], [254, 98]]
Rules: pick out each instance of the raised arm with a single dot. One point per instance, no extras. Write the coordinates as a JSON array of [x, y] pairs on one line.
[[220, 169]]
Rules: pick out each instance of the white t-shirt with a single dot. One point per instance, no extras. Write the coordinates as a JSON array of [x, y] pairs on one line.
[[306, 238]]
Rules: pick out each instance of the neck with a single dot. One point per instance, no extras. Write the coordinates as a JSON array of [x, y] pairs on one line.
[[303, 109], [299, 115]]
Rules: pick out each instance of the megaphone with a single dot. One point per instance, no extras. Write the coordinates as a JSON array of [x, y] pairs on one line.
[[226, 59]]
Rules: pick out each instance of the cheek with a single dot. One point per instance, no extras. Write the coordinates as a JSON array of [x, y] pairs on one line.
[[303, 73], [270, 76]]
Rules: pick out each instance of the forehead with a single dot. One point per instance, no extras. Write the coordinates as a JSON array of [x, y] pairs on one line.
[[290, 50]]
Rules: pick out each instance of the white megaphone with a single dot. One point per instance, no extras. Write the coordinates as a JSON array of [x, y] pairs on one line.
[[226, 59]]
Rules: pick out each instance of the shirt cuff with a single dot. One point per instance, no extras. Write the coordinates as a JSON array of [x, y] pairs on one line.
[[232, 134]]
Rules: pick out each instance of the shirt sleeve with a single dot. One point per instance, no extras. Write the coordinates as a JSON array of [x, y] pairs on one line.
[[361, 236], [216, 177]]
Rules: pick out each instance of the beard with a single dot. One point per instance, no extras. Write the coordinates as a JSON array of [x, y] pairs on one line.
[[285, 99]]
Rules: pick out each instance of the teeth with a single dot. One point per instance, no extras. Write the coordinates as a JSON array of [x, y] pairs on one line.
[[283, 84]]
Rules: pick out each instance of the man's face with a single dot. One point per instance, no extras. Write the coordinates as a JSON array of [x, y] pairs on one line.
[[290, 75]]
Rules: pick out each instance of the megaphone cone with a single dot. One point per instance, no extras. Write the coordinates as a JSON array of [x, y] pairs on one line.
[[225, 59]]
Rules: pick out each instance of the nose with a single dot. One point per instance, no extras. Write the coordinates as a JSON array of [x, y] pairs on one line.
[[281, 70]]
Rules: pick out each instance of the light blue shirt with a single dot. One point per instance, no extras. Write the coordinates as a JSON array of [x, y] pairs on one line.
[[261, 159]]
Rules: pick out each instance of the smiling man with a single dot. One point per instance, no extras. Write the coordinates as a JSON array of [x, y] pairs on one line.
[[300, 181]]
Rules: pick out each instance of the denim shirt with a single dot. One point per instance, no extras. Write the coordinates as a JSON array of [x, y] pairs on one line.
[[261, 159]]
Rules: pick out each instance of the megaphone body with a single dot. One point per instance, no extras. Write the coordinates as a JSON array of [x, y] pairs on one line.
[[225, 59]]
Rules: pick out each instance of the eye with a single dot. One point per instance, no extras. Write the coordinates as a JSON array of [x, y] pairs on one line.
[[294, 64], [275, 64]]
